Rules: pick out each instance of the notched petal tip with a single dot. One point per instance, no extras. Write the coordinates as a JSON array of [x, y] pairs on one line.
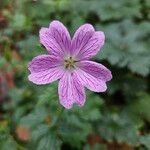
[[67, 106], [70, 91], [101, 33], [80, 104], [89, 81], [101, 37], [56, 38], [104, 89], [44, 35], [85, 28], [88, 26], [32, 79], [70, 106], [42, 31], [110, 75], [55, 22], [29, 66]]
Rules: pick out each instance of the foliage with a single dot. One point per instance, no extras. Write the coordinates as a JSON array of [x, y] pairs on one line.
[[31, 116]]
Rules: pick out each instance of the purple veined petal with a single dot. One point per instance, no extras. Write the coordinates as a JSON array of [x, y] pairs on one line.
[[47, 76], [56, 39], [90, 82], [92, 47], [44, 62], [81, 38], [71, 91], [96, 70]]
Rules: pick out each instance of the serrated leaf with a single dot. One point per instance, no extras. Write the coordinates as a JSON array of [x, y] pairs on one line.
[[145, 140], [49, 142]]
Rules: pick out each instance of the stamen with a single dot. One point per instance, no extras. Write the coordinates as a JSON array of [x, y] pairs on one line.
[[69, 63]]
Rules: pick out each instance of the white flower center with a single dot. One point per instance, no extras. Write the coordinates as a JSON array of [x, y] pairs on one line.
[[69, 63]]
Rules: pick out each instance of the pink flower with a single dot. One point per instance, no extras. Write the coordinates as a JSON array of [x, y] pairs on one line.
[[68, 60]]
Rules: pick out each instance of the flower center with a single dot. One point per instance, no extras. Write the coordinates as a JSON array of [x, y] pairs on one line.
[[69, 63]]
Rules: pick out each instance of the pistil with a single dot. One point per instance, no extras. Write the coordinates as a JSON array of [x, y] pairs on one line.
[[69, 63]]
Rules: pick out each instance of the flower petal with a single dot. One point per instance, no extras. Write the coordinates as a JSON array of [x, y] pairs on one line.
[[47, 76], [92, 46], [81, 38], [96, 70], [56, 39], [70, 91], [89, 81], [45, 69], [44, 62]]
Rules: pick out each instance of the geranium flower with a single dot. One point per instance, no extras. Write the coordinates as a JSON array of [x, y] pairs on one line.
[[68, 60]]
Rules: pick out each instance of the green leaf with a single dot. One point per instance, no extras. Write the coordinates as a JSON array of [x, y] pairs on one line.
[[145, 140], [126, 47], [34, 118], [39, 131], [49, 142], [118, 127], [7, 144], [95, 147], [141, 106]]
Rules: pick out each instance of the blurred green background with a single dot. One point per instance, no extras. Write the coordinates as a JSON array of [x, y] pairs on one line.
[[31, 117]]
